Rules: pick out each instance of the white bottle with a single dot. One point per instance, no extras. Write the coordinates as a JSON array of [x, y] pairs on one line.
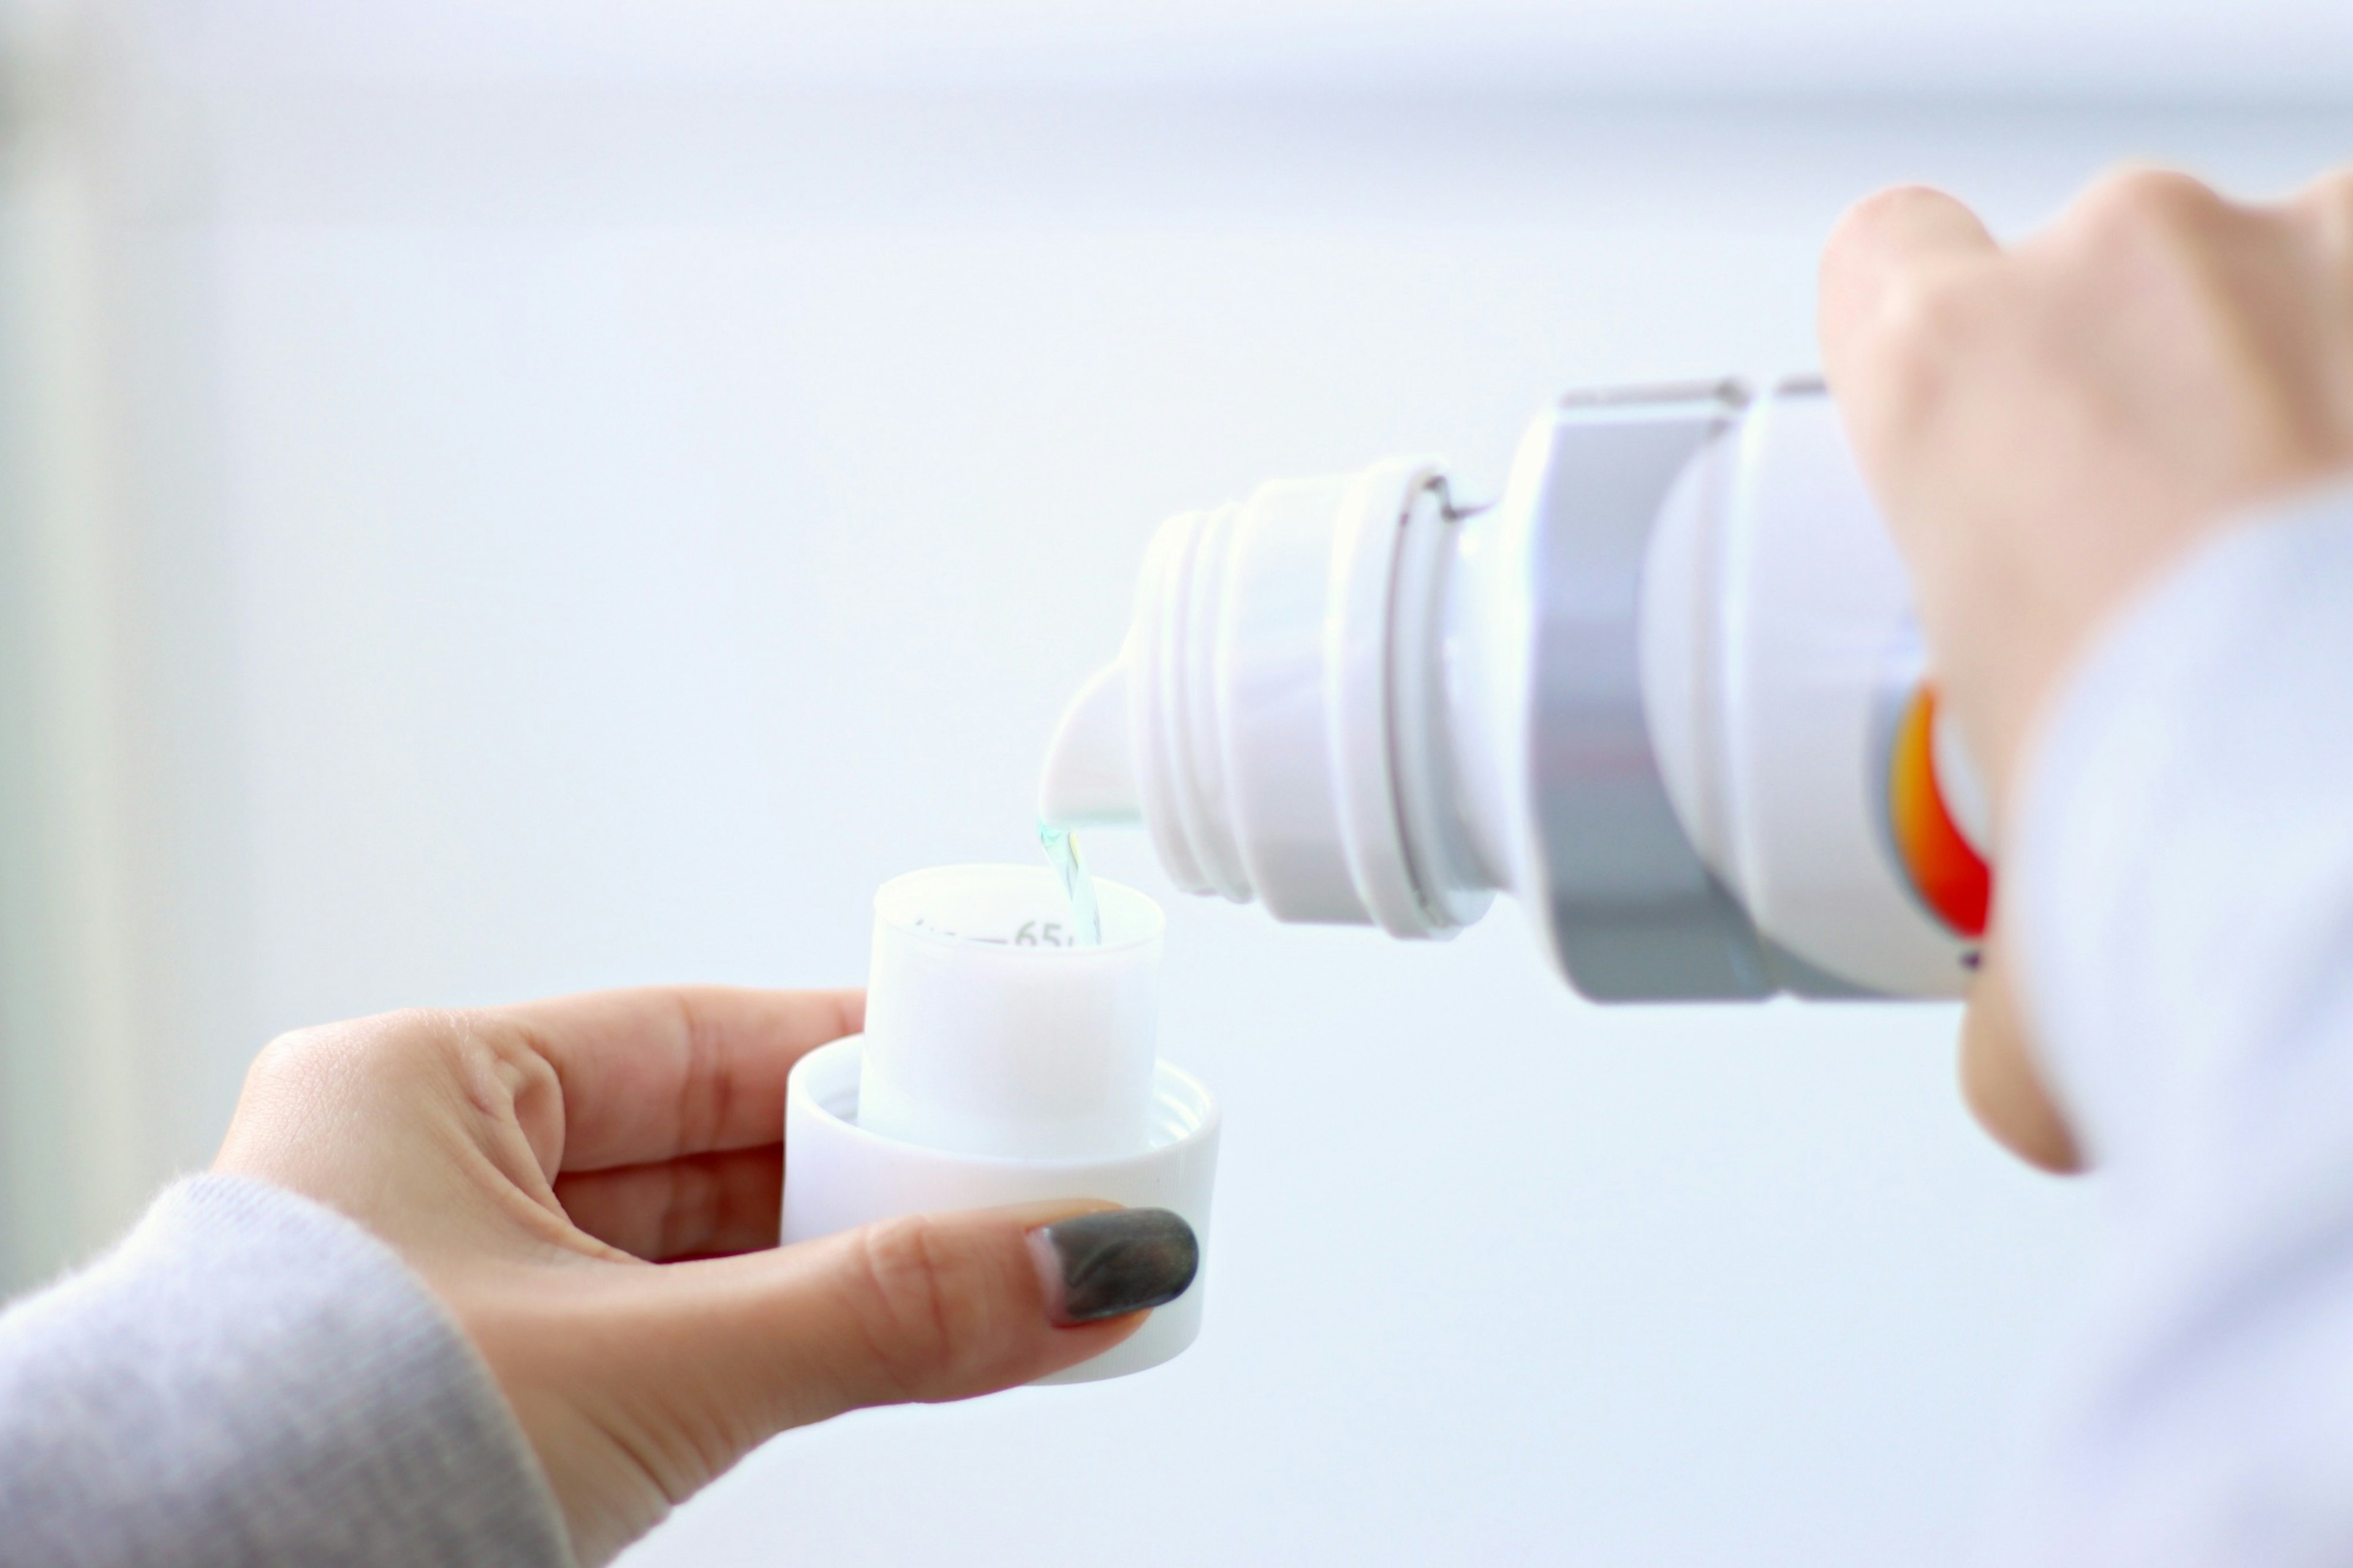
[[1667, 693]]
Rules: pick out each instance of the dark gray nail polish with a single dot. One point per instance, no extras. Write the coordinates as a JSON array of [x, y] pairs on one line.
[[1119, 1260]]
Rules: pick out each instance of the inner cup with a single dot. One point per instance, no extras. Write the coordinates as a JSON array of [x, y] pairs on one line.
[[988, 1031]]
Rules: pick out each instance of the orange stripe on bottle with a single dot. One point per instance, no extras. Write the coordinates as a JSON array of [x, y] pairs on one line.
[[1949, 876]]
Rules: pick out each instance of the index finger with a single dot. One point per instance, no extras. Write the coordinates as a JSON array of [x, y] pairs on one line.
[[656, 1072], [1880, 249]]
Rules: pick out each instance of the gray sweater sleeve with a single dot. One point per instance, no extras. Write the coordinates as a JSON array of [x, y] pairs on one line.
[[252, 1379]]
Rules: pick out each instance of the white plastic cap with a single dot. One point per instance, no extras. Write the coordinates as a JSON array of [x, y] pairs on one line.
[[1004, 1064]]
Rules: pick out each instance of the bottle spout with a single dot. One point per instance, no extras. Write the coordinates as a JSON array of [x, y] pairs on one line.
[[1089, 775]]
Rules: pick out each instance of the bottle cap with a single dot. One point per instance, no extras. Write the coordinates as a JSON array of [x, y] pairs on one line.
[[1005, 1063]]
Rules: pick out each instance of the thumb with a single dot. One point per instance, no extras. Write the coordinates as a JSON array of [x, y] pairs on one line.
[[640, 1384], [938, 1307]]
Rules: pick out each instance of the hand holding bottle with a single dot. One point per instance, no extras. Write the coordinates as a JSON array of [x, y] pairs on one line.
[[2049, 426]]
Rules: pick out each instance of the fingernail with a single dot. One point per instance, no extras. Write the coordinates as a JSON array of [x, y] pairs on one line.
[[1118, 1260]]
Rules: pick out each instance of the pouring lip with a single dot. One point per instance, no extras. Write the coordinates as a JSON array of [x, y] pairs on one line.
[[1089, 774]]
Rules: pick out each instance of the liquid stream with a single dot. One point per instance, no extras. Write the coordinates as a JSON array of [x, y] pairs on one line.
[[1062, 853]]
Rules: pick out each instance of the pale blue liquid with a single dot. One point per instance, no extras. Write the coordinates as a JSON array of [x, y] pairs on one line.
[[1062, 855]]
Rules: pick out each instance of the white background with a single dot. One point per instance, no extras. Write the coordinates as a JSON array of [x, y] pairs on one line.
[[667, 468]]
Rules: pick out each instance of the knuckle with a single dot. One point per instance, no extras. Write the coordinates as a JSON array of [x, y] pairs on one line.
[[1883, 206], [411, 1039], [1929, 320], [291, 1058], [2328, 200], [2333, 188], [367, 1047], [919, 1303], [2137, 207], [1930, 314]]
